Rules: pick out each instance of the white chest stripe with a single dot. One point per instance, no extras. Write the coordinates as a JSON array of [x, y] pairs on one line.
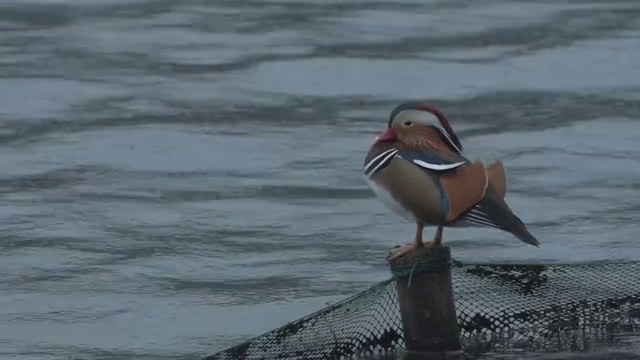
[[380, 162], [373, 161], [383, 162], [426, 165]]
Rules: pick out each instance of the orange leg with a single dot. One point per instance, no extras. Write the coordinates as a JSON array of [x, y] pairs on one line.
[[417, 243], [437, 239]]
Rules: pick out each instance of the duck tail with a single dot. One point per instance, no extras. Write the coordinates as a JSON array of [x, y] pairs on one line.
[[524, 235], [493, 211]]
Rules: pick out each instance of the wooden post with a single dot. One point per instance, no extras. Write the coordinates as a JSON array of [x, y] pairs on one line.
[[426, 301]]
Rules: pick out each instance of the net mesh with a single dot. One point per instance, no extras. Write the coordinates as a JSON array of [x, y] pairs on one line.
[[500, 308]]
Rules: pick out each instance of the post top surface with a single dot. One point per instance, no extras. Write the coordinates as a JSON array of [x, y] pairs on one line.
[[425, 255]]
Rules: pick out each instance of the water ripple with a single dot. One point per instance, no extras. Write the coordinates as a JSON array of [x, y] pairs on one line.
[[180, 176]]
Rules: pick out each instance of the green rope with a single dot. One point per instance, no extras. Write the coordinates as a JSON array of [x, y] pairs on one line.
[[401, 271]]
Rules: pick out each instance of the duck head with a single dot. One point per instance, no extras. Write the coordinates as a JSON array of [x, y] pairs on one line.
[[408, 120]]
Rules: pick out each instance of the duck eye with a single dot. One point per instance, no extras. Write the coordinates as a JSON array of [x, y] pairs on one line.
[[408, 123]]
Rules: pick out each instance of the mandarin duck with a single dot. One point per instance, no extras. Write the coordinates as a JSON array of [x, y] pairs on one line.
[[417, 169]]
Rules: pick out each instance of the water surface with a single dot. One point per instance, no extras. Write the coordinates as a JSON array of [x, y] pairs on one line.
[[178, 176]]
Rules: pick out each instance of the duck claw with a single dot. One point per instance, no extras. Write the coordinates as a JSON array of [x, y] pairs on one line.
[[399, 251]]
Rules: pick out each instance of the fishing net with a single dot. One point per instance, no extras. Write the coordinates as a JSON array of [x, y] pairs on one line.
[[500, 308]]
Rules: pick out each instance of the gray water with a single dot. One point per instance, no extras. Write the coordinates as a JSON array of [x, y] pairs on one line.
[[179, 176]]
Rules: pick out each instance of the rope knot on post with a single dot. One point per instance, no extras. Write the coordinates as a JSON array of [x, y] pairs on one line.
[[419, 268]]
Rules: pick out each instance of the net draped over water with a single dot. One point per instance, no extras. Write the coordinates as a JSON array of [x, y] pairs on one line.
[[500, 308]]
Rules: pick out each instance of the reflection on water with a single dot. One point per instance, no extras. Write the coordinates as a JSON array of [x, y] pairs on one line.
[[180, 176]]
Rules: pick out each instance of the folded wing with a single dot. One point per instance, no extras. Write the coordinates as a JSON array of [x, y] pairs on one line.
[[463, 183]]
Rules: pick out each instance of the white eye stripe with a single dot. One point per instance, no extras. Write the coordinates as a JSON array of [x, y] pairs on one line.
[[417, 117]]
